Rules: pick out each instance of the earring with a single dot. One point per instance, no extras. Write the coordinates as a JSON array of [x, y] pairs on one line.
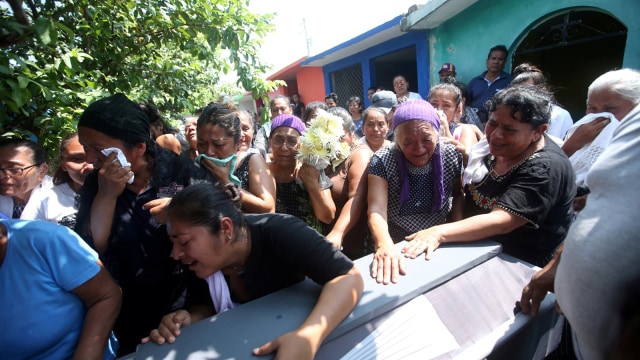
[[229, 237]]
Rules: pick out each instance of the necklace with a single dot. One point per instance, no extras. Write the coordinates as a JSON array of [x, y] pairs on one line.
[[240, 268]]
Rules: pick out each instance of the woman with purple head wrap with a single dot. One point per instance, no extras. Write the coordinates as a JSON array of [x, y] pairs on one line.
[[301, 190], [414, 183]]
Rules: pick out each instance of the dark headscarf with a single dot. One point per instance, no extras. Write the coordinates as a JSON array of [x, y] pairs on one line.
[[118, 117]]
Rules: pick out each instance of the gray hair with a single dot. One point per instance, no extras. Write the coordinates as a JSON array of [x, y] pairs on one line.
[[623, 82], [347, 122]]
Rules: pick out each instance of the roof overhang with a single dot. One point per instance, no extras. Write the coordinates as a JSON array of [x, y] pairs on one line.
[[387, 31], [432, 14], [288, 72]]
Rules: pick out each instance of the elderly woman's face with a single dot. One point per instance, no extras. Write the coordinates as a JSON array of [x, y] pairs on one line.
[[213, 141], [417, 140], [608, 101], [509, 137], [21, 184]]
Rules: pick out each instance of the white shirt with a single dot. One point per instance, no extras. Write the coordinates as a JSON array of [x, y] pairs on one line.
[[6, 202], [56, 204], [560, 122]]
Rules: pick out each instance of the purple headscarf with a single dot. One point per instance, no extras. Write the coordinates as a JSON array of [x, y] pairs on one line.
[[289, 120], [423, 111]]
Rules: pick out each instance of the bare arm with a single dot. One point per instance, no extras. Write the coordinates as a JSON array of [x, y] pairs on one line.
[[170, 142], [387, 263], [337, 299], [478, 227], [262, 188], [102, 298], [321, 201], [357, 201], [468, 135], [541, 282]]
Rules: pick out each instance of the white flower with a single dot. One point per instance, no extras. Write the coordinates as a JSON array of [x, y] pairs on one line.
[[320, 145]]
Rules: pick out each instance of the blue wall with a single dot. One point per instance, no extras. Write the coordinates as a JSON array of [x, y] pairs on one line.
[[365, 58]]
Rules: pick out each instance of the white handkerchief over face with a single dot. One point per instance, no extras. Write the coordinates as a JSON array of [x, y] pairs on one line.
[[120, 157], [583, 158]]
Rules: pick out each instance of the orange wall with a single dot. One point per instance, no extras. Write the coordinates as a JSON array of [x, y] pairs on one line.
[[311, 84]]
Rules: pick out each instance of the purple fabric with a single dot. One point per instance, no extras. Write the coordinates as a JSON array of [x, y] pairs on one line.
[[289, 120], [423, 111]]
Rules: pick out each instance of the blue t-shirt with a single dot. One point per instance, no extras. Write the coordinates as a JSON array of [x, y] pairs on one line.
[[44, 262]]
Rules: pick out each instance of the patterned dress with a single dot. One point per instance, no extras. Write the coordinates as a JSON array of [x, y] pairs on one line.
[[415, 214]]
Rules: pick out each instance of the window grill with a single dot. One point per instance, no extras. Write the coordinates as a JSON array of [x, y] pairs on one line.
[[347, 82]]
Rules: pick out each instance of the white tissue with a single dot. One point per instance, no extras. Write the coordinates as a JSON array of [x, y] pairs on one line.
[[120, 157]]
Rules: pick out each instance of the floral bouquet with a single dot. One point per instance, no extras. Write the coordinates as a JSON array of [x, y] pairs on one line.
[[321, 145]]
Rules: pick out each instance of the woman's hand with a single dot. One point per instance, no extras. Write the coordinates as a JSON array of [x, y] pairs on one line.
[[157, 208], [584, 134], [113, 177], [424, 241], [220, 173], [387, 264], [309, 175], [579, 202], [335, 239], [460, 147], [292, 345], [540, 284], [169, 327]]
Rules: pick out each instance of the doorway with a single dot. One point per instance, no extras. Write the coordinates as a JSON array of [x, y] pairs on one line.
[[573, 48]]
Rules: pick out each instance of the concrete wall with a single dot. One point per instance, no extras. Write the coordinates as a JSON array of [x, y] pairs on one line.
[[466, 38]]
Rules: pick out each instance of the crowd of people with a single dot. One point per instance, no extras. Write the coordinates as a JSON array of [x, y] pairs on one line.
[[161, 233]]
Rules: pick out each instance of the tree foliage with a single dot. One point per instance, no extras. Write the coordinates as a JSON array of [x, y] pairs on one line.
[[59, 56]]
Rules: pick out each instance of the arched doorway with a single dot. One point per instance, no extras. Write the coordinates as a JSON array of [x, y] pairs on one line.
[[573, 48]]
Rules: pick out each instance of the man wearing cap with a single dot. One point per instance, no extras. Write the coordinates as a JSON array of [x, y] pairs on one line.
[[447, 70], [387, 101], [482, 88], [121, 215]]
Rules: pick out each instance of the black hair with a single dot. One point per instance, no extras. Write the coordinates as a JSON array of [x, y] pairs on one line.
[[206, 205], [372, 109], [447, 87], [311, 107], [500, 48], [38, 157], [273, 100], [532, 102], [333, 96], [357, 100], [460, 85], [61, 176], [221, 115]]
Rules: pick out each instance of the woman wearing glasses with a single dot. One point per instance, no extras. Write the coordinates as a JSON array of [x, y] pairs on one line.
[[218, 137], [23, 176], [301, 190]]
